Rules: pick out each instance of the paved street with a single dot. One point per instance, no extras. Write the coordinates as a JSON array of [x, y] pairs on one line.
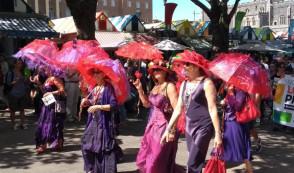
[[17, 150]]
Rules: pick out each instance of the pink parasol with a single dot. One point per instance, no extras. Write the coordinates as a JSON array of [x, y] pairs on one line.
[[72, 51], [112, 69], [139, 51], [38, 52], [241, 71]]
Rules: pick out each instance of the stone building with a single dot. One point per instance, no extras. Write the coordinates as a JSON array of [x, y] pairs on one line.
[[273, 13], [58, 9]]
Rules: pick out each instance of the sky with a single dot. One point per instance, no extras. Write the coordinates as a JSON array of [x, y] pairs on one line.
[[184, 10]]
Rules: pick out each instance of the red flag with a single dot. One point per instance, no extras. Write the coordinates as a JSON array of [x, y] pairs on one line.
[[169, 10]]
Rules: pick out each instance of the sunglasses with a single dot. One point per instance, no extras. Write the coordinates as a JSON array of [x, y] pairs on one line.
[[96, 72], [187, 64], [157, 70]]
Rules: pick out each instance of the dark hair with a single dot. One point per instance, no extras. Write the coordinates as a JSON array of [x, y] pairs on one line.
[[281, 65], [170, 76]]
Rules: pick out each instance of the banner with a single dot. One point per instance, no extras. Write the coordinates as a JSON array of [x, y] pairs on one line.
[[290, 29], [169, 11], [238, 20], [283, 110]]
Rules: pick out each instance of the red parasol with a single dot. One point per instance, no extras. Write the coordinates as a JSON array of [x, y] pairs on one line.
[[72, 51], [241, 71], [112, 69], [38, 52], [139, 51]]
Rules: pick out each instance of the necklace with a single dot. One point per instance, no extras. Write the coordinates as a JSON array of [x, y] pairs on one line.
[[97, 92]]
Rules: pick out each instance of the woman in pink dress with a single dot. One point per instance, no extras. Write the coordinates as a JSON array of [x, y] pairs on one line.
[[154, 157]]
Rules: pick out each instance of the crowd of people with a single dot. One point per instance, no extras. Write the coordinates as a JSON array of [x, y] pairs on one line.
[[197, 96]]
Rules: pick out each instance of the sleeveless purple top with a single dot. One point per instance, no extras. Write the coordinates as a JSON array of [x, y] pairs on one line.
[[197, 114]]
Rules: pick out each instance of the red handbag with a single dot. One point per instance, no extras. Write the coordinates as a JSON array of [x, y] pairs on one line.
[[249, 112], [215, 164]]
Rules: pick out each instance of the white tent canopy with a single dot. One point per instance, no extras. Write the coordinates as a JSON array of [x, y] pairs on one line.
[[169, 45], [256, 47]]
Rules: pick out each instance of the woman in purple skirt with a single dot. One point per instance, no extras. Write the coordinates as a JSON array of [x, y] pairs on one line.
[[51, 122], [236, 139], [98, 141], [198, 98]]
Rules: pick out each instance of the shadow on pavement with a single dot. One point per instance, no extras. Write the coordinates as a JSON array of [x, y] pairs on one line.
[[277, 154], [132, 127], [18, 147], [130, 154], [130, 171]]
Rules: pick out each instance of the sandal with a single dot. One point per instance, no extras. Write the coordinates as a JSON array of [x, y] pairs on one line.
[[59, 146], [41, 149]]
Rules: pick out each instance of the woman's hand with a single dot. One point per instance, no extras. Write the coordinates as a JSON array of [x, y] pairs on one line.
[[84, 103], [218, 140], [167, 137], [94, 108], [47, 93], [138, 84]]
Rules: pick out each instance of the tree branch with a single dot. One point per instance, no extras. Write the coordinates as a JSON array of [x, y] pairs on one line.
[[202, 6], [234, 9]]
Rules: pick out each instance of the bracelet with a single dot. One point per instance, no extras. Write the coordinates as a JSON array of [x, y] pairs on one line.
[[172, 131]]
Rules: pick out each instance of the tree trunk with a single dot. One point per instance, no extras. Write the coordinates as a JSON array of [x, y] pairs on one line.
[[220, 33], [84, 15]]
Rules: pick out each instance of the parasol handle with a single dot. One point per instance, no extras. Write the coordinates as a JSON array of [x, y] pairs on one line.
[[81, 108]]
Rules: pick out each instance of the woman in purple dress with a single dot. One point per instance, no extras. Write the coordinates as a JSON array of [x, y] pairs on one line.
[[236, 139], [154, 157], [98, 141], [197, 97], [51, 122]]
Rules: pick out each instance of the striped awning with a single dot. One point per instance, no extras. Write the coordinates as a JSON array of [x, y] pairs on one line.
[[120, 22], [25, 25]]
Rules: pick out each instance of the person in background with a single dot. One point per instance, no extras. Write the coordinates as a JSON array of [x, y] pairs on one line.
[[264, 62], [72, 93], [16, 90], [4, 70], [50, 126], [37, 80], [236, 137]]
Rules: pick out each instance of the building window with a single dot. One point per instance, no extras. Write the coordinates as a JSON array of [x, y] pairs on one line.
[[147, 5], [248, 22], [262, 10], [104, 2], [138, 4], [247, 10], [113, 3], [52, 13], [253, 21], [282, 20], [129, 3]]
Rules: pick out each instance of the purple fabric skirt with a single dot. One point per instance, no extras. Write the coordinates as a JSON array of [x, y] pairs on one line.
[[50, 127], [236, 142], [98, 148], [152, 156]]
